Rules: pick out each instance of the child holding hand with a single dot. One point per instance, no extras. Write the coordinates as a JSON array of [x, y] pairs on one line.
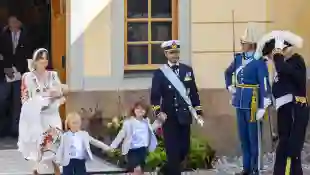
[[74, 149], [137, 138]]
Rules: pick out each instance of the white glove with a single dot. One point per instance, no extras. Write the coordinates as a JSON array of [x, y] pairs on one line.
[[260, 114], [279, 43], [157, 124], [267, 102], [231, 89], [200, 120]]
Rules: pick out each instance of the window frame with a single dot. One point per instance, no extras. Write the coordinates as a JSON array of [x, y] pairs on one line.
[[175, 22]]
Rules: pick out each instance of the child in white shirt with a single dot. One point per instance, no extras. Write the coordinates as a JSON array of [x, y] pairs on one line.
[[74, 149], [137, 138]]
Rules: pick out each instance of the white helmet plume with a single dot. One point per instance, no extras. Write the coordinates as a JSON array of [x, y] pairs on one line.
[[279, 36]]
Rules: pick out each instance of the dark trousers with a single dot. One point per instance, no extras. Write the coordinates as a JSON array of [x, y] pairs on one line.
[[4, 108], [136, 157], [248, 134], [10, 107], [177, 145], [75, 167], [292, 124]]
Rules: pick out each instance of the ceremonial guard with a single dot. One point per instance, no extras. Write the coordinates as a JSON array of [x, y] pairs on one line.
[[175, 100], [289, 91], [247, 80]]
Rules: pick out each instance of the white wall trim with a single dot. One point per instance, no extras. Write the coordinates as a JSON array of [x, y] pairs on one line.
[[185, 30]]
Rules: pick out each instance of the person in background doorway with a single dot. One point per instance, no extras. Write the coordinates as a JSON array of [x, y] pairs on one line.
[[16, 49]]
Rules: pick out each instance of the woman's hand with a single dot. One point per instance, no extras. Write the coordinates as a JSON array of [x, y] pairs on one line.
[[64, 89], [62, 100], [54, 93]]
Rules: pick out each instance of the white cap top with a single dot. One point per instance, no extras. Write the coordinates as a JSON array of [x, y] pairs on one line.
[[251, 34], [171, 44]]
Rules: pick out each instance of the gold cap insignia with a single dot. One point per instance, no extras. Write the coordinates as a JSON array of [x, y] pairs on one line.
[[174, 45]]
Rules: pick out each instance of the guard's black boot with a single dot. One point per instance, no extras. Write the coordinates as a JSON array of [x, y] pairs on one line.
[[255, 172], [243, 173], [163, 170]]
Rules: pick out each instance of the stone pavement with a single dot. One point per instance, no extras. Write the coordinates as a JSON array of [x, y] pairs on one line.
[[12, 162]]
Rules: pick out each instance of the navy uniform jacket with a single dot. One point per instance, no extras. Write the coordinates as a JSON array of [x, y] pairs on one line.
[[165, 98], [255, 72]]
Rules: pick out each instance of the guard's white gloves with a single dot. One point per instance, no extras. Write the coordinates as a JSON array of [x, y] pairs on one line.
[[231, 89], [279, 43], [260, 114], [267, 102]]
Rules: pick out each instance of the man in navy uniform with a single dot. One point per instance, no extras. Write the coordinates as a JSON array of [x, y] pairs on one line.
[[289, 91], [247, 80], [175, 100]]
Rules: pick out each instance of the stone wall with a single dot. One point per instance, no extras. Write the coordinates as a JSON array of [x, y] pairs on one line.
[[220, 127]]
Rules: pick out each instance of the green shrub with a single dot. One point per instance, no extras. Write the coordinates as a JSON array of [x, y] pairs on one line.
[[201, 155]]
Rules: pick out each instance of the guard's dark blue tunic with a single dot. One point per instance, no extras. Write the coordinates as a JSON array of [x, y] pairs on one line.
[[250, 78], [165, 98], [252, 74]]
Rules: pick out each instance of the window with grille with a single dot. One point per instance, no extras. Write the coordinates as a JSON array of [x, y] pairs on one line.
[[147, 24]]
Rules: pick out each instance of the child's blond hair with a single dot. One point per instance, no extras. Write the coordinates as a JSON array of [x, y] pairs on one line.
[[71, 116]]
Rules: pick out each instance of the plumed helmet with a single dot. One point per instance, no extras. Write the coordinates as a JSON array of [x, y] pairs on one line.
[[277, 37], [251, 34]]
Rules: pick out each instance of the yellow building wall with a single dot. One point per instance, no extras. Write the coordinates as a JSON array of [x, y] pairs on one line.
[[293, 16], [212, 35], [92, 24], [97, 46], [211, 32]]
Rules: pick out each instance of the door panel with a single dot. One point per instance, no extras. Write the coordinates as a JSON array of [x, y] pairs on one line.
[[58, 41]]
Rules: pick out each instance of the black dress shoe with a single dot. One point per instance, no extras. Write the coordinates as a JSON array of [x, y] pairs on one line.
[[163, 170], [255, 172], [243, 173]]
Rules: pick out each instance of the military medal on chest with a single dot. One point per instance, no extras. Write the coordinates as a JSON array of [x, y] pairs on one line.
[[188, 76]]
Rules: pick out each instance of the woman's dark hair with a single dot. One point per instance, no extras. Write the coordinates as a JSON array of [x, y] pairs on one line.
[[141, 104]]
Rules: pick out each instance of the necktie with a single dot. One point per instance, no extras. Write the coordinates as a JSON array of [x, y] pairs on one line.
[[14, 41], [175, 69]]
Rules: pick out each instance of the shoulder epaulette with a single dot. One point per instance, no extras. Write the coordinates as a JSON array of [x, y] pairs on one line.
[[238, 54]]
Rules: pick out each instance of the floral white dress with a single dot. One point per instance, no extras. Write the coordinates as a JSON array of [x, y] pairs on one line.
[[40, 126]]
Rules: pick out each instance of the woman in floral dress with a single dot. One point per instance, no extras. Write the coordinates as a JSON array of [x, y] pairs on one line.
[[40, 126]]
